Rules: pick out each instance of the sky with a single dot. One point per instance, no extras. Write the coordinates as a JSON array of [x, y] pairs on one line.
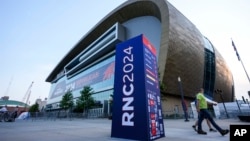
[[36, 35]]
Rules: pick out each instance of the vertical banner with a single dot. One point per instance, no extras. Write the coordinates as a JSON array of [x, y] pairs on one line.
[[137, 112]]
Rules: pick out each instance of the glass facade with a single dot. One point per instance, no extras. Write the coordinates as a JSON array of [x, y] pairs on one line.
[[209, 69], [100, 77]]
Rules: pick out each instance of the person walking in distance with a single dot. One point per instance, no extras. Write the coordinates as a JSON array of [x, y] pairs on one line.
[[4, 109], [16, 110], [202, 105]]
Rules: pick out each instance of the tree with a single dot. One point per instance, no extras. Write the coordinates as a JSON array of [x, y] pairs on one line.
[[34, 108], [67, 101], [85, 101], [162, 85]]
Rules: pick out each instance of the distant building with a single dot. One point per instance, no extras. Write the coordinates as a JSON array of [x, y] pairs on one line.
[[41, 103], [182, 52], [5, 98], [11, 104]]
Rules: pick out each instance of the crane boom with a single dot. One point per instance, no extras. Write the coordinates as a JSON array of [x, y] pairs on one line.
[[27, 94], [7, 90]]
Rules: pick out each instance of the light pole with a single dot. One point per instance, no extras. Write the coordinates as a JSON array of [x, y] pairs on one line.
[[248, 103], [238, 105], [218, 91], [184, 107]]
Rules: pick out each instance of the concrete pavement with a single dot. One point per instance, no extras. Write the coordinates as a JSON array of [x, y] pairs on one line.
[[100, 130]]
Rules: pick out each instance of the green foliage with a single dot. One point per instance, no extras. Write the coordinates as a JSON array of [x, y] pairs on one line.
[[85, 101], [162, 86], [67, 100], [34, 108]]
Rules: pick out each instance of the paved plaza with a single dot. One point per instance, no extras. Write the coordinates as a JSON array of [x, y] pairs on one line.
[[100, 130]]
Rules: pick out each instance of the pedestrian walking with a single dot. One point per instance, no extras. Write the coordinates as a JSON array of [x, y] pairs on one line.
[[202, 105], [208, 122]]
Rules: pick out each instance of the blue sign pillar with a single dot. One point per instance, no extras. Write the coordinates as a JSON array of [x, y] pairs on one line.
[[137, 111]]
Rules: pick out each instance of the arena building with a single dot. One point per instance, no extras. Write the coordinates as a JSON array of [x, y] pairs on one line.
[[182, 51], [12, 104]]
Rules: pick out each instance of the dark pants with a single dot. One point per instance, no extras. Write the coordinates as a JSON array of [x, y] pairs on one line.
[[204, 113]]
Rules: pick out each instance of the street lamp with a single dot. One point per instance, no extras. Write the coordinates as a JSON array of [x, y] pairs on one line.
[[219, 91], [184, 107]]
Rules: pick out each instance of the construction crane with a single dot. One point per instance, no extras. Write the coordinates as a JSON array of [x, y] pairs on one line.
[[27, 95], [7, 90]]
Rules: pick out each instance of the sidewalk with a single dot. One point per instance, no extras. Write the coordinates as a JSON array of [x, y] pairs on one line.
[[100, 130]]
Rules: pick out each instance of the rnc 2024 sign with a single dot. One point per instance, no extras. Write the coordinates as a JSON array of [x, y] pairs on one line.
[[137, 112]]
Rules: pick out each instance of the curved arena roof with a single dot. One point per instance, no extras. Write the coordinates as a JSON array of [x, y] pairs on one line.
[[12, 103]]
